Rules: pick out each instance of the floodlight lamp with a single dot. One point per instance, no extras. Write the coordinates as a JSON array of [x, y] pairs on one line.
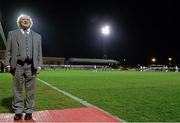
[[170, 59], [153, 60], [105, 30]]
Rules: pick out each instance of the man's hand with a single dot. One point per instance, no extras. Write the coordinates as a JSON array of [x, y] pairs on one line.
[[8, 68], [38, 70]]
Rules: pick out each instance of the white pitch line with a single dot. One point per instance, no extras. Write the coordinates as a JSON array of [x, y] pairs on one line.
[[85, 103]]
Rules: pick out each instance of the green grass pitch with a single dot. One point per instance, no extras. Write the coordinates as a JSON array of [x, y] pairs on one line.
[[129, 95]]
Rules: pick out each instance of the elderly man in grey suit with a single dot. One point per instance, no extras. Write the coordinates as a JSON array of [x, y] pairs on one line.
[[23, 58]]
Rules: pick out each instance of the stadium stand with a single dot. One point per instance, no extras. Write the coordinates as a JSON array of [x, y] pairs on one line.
[[87, 61]]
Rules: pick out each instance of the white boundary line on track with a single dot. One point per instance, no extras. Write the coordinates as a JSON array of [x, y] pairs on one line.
[[85, 103]]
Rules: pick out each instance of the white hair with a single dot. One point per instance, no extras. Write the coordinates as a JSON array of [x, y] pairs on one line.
[[23, 15]]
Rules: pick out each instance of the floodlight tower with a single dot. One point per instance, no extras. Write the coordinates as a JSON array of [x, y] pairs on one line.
[[170, 61], [105, 30], [153, 60]]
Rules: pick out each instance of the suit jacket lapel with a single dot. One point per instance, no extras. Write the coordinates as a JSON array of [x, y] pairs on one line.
[[18, 36]]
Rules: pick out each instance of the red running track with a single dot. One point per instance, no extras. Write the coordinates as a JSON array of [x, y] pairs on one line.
[[89, 114]]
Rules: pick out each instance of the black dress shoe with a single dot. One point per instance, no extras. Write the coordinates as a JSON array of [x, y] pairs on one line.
[[28, 116], [17, 116]]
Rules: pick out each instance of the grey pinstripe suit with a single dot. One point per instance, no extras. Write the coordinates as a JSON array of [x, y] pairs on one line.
[[18, 48]]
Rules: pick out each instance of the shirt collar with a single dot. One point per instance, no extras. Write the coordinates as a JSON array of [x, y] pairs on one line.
[[28, 31]]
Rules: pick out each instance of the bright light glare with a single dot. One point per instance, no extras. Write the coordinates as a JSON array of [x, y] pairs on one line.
[[153, 60], [170, 59], [105, 30]]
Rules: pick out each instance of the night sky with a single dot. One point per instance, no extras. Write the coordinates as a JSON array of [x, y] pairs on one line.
[[139, 30]]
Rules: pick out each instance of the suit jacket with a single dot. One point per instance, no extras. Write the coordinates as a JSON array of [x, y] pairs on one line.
[[13, 45]]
